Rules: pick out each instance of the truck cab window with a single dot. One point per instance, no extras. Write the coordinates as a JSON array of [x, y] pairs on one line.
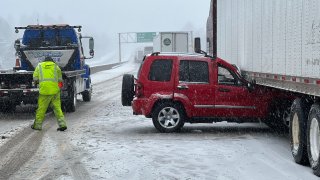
[[226, 77], [194, 71]]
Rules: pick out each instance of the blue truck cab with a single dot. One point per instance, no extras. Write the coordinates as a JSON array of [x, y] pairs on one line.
[[65, 45]]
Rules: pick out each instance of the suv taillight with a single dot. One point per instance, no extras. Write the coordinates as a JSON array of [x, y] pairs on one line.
[[139, 89]]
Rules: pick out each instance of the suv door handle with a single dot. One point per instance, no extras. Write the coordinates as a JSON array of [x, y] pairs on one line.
[[224, 90], [182, 87]]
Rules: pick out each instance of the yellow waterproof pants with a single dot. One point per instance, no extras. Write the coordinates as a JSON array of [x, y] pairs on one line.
[[55, 103]]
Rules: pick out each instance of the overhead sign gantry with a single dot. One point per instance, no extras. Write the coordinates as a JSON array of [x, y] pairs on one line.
[[135, 37]]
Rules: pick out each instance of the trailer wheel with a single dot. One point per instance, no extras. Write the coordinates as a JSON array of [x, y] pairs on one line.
[[72, 102], [297, 131], [86, 95], [313, 138], [168, 117], [127, 92]]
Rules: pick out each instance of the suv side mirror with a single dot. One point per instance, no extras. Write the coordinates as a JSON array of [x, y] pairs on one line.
[[239, 82], [250, 85], [197, 45]]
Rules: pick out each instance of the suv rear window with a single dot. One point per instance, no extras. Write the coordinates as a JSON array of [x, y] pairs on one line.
[[194, 71], [160, 70]]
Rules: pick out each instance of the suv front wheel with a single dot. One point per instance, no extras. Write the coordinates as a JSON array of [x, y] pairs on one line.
[[168, 117]]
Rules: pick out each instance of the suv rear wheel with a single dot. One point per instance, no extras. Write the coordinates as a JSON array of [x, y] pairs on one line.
[[127, 92], [168, 117]]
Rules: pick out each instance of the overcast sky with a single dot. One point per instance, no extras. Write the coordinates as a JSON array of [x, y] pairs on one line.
[[107, 18], [111, 15]]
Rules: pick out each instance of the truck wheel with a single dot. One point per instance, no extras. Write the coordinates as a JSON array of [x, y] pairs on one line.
[[297, 129], [168, 117], [86, 95], [313, 138], [8, 107], [127, 92], [72, 102]]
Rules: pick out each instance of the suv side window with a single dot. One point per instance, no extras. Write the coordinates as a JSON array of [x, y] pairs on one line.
[[226, 77], [160, 70], [194, 71], [139, 71]]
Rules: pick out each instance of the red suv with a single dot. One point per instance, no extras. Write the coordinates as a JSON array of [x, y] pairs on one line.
[[176, 88]]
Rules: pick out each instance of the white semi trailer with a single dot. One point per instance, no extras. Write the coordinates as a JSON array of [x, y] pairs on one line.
[[171, 42], [276, 43]]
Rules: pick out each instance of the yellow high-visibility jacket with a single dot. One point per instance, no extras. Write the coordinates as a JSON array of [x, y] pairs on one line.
[[49, 75]]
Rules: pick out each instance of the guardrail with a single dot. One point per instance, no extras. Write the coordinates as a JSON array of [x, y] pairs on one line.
[[95, 69]]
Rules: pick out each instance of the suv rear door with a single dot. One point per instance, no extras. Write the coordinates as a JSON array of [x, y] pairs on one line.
[[156, 76], [195, 85]]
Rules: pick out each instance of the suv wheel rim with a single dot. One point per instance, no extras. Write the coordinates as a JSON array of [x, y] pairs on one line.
[[295, 133], [168, 117], [314, 139]]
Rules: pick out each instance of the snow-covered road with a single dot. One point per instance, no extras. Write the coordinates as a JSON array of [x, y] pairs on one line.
[[105, 141]]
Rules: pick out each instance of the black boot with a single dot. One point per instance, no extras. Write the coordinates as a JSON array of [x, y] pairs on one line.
[[32, 127], [61, 128]]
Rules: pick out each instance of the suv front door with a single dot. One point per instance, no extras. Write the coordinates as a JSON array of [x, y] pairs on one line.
[[233, 98]]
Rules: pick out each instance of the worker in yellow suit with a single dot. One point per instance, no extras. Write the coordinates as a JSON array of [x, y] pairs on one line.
[[48, 75]]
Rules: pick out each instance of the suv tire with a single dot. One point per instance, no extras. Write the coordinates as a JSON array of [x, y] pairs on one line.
[[127, 92], [168, 117]]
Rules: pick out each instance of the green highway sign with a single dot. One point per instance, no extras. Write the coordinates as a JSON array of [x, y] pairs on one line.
[[145, 37]]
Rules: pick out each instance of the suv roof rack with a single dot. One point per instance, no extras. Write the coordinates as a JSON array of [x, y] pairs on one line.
[[177, 54]]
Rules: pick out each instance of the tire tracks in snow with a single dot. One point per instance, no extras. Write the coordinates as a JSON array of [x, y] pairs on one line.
[[16, 153]]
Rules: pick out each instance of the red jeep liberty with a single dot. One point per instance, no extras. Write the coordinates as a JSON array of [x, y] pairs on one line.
[[176, 88]]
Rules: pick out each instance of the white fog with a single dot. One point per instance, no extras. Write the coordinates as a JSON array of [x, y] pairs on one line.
[[103, 20]]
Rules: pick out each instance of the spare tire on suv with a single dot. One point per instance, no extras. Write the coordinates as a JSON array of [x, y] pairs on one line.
[[127, 92]]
